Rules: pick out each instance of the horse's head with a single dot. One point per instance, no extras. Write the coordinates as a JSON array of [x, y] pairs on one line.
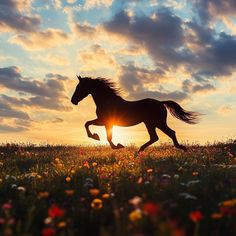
[[82, 90]]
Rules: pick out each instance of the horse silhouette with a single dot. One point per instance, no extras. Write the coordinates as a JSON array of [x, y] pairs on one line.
[[114, 110]]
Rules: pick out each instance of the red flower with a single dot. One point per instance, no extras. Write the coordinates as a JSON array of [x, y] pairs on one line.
[[55, 211], [195, 216], [48, 232], [151, 208]]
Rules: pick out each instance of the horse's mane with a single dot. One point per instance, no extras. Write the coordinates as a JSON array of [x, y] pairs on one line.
[[106, 85]]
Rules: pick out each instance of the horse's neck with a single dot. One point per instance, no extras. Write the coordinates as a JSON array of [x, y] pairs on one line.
[[103, 99]]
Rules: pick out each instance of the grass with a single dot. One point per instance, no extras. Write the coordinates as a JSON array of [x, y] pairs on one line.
[[66, 190]]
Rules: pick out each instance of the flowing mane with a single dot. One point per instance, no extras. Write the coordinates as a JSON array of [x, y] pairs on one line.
[[107, 86]]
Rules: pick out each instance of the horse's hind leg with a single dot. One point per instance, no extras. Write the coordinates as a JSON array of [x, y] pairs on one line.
[[171, 133], [153, 136]]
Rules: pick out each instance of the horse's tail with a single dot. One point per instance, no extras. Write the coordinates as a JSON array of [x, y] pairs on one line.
[[177, 111]]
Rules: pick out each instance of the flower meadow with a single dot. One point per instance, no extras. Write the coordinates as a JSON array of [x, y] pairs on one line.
[[64, 190]]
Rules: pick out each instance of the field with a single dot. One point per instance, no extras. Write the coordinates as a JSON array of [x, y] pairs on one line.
[[62, 190]]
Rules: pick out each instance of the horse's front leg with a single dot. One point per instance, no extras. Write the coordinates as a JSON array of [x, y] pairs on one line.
[[93, 122], [109, 138]]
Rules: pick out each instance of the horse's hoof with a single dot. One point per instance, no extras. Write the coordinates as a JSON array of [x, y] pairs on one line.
[[95, 136], [183, 148], [119, 146]]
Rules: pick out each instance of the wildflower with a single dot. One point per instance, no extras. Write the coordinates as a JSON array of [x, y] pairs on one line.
[[72, 171], [70, 192], [48, 220], [151, 208], [2, 221], [216, 215], [135, 201], [140, 180], [43, 194], [105, 196], [135, 215], [195, 216], [195, 173], [97, 204], [54, 211], [20, 188], [48, 232], [68, 179], [94, 164], [94, 191], [86, 164], [6, 206], [228, 203], [149, 170], [176, 176], [61, 224]]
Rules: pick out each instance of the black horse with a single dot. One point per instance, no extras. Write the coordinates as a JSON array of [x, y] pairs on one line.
[[114, 110]]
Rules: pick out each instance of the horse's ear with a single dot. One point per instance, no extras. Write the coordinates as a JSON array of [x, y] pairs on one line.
[[79, 77]]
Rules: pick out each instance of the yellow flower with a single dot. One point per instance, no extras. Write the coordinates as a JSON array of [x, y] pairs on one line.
[[94, 191], [97, 204], [135, 215], [94, 164], [70, 192], [195, 173], [72, 171], [68, 179], [61, 224]]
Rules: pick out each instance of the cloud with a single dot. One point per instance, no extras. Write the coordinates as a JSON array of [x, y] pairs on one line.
[[89, 4], [84, 30], [47, 94], [95, 58], [162, 36], [41, 39], [136, 82], [11, 129], [7, 111], [12, 16]]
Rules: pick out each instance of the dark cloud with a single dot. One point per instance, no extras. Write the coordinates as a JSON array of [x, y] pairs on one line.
[[133, 79], [208, 9], [12, 17], [7, 111], [203, 88], [162, 36], [48, 94], [58, 120], [11, 129]]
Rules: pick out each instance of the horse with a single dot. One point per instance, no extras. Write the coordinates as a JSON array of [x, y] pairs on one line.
[[113, 110]]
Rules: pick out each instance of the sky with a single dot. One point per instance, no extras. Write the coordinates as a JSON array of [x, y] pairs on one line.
[[163, 49]]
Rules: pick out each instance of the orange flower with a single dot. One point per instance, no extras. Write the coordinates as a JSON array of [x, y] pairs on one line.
[[97, 204], [43, 194], [94, 164], [216, 215], [54, 211], [94, 191], [68, 179], [105, 196], [61, 224], [195, 216], [70, 192]]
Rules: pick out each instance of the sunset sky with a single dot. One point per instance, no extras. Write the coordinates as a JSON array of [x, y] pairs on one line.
[[179, 50]]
